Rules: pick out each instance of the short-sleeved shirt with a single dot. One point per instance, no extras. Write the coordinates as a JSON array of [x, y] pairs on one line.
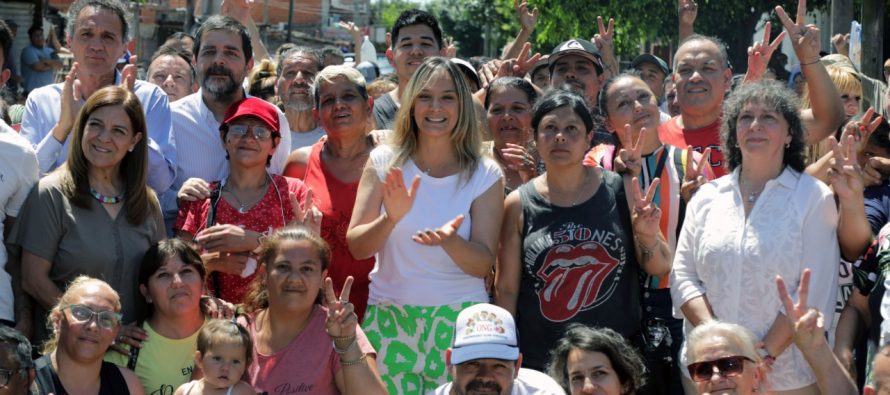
[[34, 79], [385, 110], [877, 206], [307, 365], [86, 241], [707, 137], [18, 173], [163, 363], [273, 211]]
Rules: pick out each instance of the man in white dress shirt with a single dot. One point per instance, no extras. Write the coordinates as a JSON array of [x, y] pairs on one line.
[[223, 57], [98, 31]]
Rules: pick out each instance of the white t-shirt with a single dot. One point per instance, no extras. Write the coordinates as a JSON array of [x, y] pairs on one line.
[[408, 273], [18, 173], [304, 139], [528, 382]]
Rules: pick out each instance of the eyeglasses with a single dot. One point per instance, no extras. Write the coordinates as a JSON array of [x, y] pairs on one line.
[[6, 375], [727, 367], [259, 132], [106, 319]]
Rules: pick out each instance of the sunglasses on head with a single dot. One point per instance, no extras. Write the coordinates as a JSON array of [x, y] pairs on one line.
[[106, 318], [726, 367]]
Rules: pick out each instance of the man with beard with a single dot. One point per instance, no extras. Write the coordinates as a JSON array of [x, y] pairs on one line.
[[577, 65], [296, 78], [484, 357], [171, 69], [415, 36], [223, 55], [97, 33]]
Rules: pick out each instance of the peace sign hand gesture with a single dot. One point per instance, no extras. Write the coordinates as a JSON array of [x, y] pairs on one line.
[[760, 53], [341, 320], [309, 216], [862, 130], [630, 160], [804, 37], [693, 177], [397, 200], [604, 38], [807, 323], [845, 174], [646, 215]]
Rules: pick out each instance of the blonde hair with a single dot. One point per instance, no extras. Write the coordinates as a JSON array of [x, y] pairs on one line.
[[75, 289], [466, 138], [845, 80]]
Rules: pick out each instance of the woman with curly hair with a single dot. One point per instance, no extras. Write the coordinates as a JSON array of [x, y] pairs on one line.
[[588, 359]]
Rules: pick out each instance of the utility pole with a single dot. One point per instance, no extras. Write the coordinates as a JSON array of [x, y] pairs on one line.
[[841, 16], [290, 21], [872, 38]]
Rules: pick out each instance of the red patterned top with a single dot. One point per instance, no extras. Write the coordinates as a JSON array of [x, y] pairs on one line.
[[272, 212]]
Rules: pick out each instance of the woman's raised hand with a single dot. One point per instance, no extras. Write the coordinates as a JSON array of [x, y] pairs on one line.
[[341, 320], [309, 216], [631, 153], [645, 215], [693, 177], [519, 160], [397, 199], [805, 37], [434, 237], [845, 174], [807, 323]]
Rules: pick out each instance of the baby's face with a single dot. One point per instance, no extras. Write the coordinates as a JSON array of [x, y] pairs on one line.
[[224, 364]]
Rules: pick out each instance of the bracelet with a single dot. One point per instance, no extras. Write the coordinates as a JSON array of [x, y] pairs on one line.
[[647, 251], [810, 63], [343, 350], [768, 359], [356, 362]]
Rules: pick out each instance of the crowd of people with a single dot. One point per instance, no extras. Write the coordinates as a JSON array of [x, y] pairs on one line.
[[241, 222]]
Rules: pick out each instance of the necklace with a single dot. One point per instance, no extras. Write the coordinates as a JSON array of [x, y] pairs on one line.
[[751, 197], [243, 208], [106, 199]]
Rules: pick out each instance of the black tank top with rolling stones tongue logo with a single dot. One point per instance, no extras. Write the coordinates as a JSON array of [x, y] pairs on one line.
[[578, 265]]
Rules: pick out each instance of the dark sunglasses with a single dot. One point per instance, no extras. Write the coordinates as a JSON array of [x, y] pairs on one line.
[[727, 367]]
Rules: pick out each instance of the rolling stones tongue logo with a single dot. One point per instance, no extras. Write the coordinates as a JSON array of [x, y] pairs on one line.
[[573, 278]]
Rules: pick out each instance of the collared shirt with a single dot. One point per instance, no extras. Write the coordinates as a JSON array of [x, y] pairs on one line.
[[203, 154], [42, 111], [733, 259]]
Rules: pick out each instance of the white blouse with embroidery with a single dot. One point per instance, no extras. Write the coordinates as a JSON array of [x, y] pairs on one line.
[[734, 262]]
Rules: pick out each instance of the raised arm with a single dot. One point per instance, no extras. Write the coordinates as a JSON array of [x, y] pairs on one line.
[[527, 21], [240, 10], [603, 41], [826, 113], [688, 10]]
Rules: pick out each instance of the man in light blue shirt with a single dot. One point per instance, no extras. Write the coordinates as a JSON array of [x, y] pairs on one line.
[[98, 31], [38, 61]]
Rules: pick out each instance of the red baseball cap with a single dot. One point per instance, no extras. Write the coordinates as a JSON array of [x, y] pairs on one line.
[[254, 107]]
